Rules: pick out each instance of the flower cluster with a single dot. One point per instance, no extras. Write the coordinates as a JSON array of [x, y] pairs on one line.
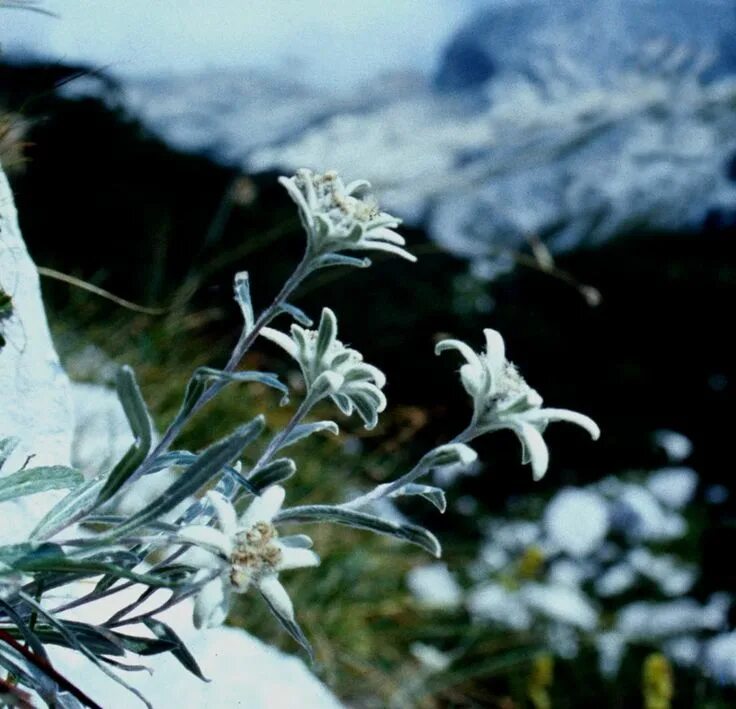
[[502, 399], [339, 217], [331, 368], [244, 552]]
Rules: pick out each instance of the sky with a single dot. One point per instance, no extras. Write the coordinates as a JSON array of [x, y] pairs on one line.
[[333, 42]]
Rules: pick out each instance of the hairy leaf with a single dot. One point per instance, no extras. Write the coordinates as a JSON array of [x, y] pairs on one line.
[[33, 480]]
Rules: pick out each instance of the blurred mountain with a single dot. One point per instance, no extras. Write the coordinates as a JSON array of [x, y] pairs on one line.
[[605, 35], [572, 121]]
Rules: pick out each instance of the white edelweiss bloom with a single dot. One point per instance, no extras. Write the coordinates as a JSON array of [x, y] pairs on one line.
[[332, 368], [339, 217], [502, 399], [244, 552]]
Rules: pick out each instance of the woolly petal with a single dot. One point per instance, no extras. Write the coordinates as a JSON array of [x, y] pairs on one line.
[[534, 447], [212, 604], [296, 558], [326, 333], [470, 356], [388, 235], [550, 415], [272, 589], [207, 538], [389, 248], [297, 541], [357, 186], [296, 194], [226, 515], [264, 507], [495, 354], [327, 384], [282, 340]]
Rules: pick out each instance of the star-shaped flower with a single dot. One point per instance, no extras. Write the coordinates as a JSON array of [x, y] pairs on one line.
[[502, 399], [339, 217], [244, 552], [330, 366]]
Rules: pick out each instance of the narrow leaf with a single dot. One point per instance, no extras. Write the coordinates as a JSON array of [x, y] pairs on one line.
[[7, 446], [179, 650], [142, 428], [242, 296], [307, 429], [297, 313], [275, 472], [208, 465], [33, 480], [291, 627], [434, 494], [361, 520], [68, 508]]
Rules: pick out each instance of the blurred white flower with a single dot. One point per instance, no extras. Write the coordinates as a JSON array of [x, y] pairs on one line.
[[675, 445], [719, 658], [502, 399], [244, 552], [673, 487], [434, 586], [339, 217], [576, 520], [332, 369]]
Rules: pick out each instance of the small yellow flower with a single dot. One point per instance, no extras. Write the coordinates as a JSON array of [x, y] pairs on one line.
[[658, 684]]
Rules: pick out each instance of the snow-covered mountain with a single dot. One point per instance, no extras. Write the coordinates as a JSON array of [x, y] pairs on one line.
[[573, 121]]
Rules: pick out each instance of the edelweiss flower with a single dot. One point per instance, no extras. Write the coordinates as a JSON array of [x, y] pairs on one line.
[[337, 218], [244, 553], [502, 399], [327, 363]]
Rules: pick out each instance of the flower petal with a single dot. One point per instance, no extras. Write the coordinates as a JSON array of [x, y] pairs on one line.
[[470, 356], [264, 507], [208, 538], [534, 447], [326, 333], [296, 194], [581, 420], [224, 510], [495, 354], [212, 604], [282, 340], [271, 588], [383, 246], [295, 558]]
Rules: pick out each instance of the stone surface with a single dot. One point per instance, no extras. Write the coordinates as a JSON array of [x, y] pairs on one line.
[[35, 401]]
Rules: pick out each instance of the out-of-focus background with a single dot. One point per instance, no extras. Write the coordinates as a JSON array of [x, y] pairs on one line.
[[567, 175]]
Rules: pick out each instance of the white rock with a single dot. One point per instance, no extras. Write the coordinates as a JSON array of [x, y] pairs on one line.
[[577, 520], [673, 487], [35, 403], [434, 586]]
